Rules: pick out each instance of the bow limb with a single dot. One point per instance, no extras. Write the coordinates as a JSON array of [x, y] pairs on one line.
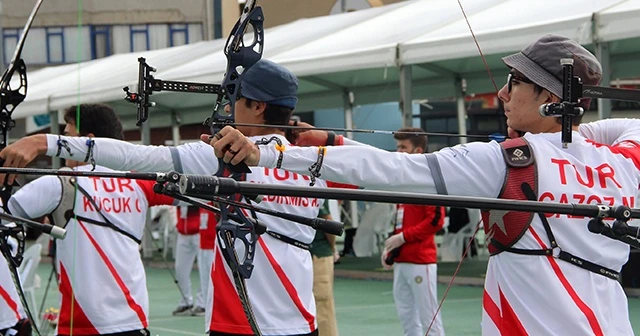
[[14, 260], [10, 98], [239, 57]]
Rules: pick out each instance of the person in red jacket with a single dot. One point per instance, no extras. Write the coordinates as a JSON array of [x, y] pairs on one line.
[[411, 251]]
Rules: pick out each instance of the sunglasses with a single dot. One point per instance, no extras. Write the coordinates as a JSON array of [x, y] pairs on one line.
[[518, 78]]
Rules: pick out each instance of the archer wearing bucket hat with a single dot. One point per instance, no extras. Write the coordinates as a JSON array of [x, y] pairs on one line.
[[268, 95], [271, 83], [282, 275], [536, 79]]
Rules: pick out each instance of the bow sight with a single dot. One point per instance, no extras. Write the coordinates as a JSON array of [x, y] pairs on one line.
[[147, 84], [572, 91]]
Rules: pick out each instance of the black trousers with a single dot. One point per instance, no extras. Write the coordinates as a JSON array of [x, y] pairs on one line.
[[140, 332], [23, 327], [216, 333], [348, 241]]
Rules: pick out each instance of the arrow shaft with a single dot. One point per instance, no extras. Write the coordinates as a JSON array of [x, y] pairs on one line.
[[336, 129], [35, 171]]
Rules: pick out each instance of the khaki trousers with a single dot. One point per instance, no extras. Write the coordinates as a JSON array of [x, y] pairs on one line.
[[323, 294]]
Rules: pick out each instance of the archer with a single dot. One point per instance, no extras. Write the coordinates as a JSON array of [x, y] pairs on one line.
[[546, 276]]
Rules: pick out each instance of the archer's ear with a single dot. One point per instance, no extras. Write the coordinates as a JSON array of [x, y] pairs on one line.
[[259, 107], [552, 98]]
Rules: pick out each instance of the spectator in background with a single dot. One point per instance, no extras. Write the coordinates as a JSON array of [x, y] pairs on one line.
[[349, 229], [187, 250], [322, 250], [412, 248]]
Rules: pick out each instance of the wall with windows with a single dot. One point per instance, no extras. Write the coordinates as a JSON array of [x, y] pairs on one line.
[[64, 31], [58, 45], [118, 26]]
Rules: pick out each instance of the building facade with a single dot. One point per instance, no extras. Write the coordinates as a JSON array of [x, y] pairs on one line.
[[66, 32]]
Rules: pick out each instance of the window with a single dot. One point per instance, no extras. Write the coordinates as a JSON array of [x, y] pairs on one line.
[[138, 38], [217, 17], [100, 41], [55, 44], [178, 34], [9, 41]]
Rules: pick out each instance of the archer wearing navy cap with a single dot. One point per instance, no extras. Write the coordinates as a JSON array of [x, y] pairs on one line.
[[268, 94], [282, 276]]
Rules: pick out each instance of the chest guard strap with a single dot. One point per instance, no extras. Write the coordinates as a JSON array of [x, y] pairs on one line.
[[521, 172], [64, 211]]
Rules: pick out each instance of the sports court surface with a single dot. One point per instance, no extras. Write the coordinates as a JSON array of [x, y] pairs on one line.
[[364, 307]]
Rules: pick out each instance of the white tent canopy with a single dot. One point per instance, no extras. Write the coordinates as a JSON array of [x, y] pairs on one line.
[[360, 52]]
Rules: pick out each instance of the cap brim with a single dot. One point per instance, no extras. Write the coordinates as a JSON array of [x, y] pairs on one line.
[[534, 72]]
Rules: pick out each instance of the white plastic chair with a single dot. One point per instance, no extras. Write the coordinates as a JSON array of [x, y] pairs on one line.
[[27, 272], [454, 243], [375, 225]]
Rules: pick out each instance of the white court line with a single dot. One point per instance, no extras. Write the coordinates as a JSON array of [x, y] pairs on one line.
[[384, 305], [172, 318], [173, 331]]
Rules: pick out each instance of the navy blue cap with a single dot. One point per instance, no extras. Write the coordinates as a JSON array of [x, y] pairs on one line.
[[271, 83]]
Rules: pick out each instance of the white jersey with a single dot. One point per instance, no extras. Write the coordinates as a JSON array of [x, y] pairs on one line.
[[11, 310], [535, 295], [280, 287], [102, 279]]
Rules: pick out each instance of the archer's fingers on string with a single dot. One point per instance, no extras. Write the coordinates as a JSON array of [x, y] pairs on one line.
[[228, 155], [239, 156], [205, 138], [221, 145]]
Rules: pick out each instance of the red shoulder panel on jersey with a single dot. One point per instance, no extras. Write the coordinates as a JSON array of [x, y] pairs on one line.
[[629, 149]]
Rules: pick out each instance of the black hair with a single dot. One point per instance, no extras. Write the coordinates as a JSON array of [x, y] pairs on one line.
[[274, 114], [98, 119], [417, 140]]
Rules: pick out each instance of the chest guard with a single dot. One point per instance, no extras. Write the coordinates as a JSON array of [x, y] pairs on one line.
[[502, 228], [505, 228]]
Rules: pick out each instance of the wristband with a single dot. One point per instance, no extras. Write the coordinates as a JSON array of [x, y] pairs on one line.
[[331, 138]]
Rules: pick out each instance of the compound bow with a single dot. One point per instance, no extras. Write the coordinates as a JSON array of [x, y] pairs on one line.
[[10, 98], [240, 58]]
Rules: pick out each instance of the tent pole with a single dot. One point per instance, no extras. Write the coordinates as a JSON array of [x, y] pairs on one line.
[[145, 133], [349, 99], [406, 107], [55, 129], [175, 127], [461, 89], [602, 53]]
